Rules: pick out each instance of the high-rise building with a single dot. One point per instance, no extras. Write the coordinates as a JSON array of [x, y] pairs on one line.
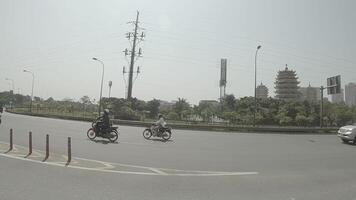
[[311, 94], [286, 85], [350, 94], [262, 92], [338, 98]]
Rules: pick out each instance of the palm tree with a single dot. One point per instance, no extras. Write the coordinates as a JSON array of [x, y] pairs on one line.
[[182, 108]]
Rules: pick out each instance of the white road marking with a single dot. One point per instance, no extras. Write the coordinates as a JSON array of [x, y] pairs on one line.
[[158, 171], [77, 167], [73, 161], [110, 167], [107, 166]]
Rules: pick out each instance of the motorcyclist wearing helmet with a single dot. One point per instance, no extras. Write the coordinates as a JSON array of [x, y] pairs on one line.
[[104, 121]]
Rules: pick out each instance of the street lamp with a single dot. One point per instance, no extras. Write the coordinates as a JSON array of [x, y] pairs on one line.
[[102, 79], [254, 113], [13, 90], [110, 84], [33, 82], [13, 84]]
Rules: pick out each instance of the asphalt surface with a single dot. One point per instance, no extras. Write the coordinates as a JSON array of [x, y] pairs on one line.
[[192, 165]]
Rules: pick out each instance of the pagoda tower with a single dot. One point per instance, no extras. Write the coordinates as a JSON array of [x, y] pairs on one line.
[[262, 92], [286, 85]]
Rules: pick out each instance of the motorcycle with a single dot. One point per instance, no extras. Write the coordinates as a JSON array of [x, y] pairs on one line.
[[95, 131], [163, 132]]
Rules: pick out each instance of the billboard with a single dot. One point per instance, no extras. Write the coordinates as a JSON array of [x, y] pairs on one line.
[[223, 72], [334, 85]]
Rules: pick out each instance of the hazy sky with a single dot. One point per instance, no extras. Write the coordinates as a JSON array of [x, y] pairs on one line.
[[185, 41]]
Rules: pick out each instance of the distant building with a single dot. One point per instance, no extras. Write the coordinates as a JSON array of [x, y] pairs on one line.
[[287, 85], [350, 94], [262, 92], [211, 102], [311, 94], [163, 105], [338, 98]]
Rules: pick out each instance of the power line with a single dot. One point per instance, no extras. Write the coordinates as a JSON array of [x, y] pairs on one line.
[[135, 39]]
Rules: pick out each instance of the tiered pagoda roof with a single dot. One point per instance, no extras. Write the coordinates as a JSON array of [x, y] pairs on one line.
[[286, 85]]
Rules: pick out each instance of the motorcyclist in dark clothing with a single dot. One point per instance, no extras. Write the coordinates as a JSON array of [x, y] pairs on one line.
[[104, 122]]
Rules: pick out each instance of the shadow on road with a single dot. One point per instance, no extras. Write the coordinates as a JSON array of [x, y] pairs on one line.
[[350, 144], [103, 141], [161, 140]]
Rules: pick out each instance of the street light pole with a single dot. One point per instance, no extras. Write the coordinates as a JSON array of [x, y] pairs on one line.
[[33, 82], [110, 84], [13, 83], [13, 91], [102, 79], [255, 109]]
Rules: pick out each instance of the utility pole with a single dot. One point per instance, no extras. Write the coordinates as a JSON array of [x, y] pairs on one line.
[[322, 88], [333, 87], [135, 39]]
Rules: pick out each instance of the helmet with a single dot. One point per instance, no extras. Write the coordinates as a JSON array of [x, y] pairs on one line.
[[106, 111], [159, 116]]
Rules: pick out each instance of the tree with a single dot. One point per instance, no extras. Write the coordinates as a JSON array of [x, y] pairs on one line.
[[85, 100], [172, 116], [285, 120], [137, 104], [206, 109], [301, 120], [37, 99], [153, 107], [182, 108], [229, 102], [127, 113]]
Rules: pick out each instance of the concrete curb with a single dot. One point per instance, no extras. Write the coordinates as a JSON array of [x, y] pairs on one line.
[[258, 129]]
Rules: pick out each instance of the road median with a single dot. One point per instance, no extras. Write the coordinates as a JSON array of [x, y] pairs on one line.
[[202, 127]]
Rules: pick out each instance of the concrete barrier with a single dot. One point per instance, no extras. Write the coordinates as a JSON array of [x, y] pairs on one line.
[[207, 127], [234, 128]]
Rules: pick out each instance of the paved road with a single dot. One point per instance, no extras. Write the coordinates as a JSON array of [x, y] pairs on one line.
[[193, 165]]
